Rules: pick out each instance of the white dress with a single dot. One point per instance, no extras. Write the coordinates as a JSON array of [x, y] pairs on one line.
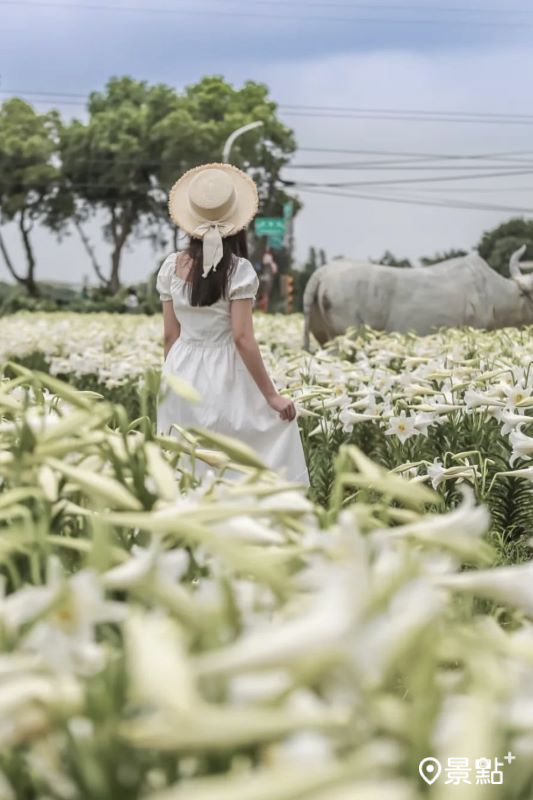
[[206, 357]]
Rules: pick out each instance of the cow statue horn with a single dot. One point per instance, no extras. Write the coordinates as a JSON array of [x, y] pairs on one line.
[[514, 263]]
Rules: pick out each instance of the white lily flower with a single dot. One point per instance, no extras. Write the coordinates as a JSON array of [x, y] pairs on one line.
[[522, 446], [402, 426], [436, 473], [248, 529], [516, 394], [511, 420], [309, 748], [154, 562], [474, 399], [510, 585], [330, 614], [526, 473], [465, 523], [326, 427], [27, 701], [66, 614], [349, 418], [387, 636], [253, 687], [424, 420]]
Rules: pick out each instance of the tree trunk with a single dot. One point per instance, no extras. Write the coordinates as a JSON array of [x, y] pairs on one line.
[[30, 259], [88, 247], [8, 262], [120, 233], [175, 238]]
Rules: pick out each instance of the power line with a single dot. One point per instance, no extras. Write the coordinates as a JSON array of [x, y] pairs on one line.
[[240, 14], [330, 110], [48, 94], [403, 200], [403, 181], [380, 116], [384, 7], [304, 186], [345, 151], [428, 164], [373, 7], [422, 201], [470, 189], [370, 166], [430, 112], [318, 108], [410, 165], [407, 117]]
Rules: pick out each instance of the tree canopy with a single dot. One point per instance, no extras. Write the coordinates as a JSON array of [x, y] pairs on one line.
[[498, 245], [121, 162], [390, 260], [428, 261], [28, 178]]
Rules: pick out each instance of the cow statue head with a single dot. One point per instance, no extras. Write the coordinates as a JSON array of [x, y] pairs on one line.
[[524, 282]]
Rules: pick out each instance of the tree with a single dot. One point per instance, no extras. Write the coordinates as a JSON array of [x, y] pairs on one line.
[[427, 261], [28, 178], [139, 139], [312, 261], [302, 275], [208, 112], [391, 261], [498, 245], [109, 163]]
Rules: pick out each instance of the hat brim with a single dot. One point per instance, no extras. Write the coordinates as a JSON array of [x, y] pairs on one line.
[[244, 210]]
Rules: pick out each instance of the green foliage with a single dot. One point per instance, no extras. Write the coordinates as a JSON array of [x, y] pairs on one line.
[[28, 178], [140, 138], [108, 165], [54, 298], [498, 245], [167, 638], [206, 114], [315, 259], [390, 260], [427, 261]]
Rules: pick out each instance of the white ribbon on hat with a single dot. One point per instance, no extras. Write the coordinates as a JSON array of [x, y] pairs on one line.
[[213, 249]]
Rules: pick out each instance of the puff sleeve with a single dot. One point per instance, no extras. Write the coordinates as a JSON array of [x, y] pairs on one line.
[[164, 277], [244, 282]]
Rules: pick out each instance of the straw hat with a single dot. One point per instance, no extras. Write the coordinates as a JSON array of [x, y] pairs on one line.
[[211, 202]]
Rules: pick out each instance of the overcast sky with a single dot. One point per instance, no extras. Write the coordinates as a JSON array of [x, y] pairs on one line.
[[395, 55]]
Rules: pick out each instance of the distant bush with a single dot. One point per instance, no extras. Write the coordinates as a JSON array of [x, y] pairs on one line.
[[54, 298]]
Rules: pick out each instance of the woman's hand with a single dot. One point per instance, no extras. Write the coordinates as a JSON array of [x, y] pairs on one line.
[[283, 405]]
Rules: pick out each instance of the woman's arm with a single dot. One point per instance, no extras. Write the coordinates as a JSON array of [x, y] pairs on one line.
[[171, 326], [243, 335]]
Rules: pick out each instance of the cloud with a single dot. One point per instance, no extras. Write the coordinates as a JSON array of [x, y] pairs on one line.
[[321, 67], [487, 80]]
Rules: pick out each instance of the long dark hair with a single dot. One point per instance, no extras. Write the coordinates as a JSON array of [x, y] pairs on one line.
[[206, 291]]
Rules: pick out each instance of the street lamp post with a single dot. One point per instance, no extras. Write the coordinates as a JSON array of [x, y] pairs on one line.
[[231, 138]]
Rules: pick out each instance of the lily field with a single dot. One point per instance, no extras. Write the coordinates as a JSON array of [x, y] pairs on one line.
[[166, 637]]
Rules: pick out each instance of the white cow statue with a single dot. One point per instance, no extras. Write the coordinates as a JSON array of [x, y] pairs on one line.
[[463, 291]]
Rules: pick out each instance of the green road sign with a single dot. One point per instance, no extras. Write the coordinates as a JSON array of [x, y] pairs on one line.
[[276, 241], [288, 208], [266, 226]]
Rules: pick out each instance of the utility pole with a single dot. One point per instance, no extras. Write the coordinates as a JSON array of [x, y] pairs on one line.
[[288, 209]]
